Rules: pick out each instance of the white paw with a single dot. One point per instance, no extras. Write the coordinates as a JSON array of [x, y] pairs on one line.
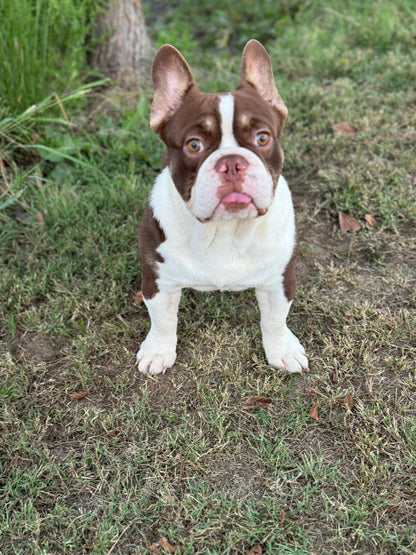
[[155, 357], [286, 352]]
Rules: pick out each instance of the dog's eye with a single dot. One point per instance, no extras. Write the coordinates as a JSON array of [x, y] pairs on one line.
[[262, 139], [195, 145]]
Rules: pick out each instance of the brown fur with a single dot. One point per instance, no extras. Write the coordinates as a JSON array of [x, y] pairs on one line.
[[289, 277], [150, 237]]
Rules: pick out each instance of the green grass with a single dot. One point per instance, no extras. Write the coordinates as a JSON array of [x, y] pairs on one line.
[[42, 48], [175, 456]]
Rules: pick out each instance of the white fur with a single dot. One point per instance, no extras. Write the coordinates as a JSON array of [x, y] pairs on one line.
[[158, 352], [282, 348], [230, 255], [226, 109]]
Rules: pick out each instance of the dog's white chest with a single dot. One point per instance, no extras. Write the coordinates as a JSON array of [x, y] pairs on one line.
[[229, 255]]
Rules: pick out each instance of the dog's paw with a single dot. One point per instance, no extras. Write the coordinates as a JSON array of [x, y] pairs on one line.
[[154, 358], [287, 352]]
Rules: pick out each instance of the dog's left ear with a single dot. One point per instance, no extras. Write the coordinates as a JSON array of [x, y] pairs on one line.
[[256, 70]]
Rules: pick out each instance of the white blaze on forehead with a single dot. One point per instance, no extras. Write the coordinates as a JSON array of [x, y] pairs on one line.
[[226, 109]]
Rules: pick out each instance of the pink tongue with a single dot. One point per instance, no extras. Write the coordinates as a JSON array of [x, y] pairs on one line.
[[240, 198]]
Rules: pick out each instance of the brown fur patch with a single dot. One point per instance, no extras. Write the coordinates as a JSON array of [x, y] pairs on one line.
[[150, 237], [258, 117], [289, 277], [190, 122]]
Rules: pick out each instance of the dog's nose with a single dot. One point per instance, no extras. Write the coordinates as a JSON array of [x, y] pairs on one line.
[[231, 165]]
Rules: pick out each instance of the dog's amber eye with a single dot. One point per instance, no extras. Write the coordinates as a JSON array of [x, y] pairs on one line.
[[195, 145], [262, 139]]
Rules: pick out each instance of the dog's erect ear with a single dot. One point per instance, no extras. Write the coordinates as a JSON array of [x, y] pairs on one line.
[[256, 70], [172, 78]]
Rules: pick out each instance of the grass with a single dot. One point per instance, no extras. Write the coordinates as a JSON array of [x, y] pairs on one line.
[[140, 458], [47, 58]]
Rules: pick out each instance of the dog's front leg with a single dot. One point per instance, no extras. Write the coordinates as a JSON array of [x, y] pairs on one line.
[[158, 350], [282, 348]]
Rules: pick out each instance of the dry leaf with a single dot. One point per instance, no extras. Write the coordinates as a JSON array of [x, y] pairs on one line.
[[314, 410], [254, 402], [77, 396], [162, 545], [348, 223], [282, 516], [138, 297], [349, 313], [350, 401], [255, 550], [39, 216], [370, 220], [344, 128], [315, 392]]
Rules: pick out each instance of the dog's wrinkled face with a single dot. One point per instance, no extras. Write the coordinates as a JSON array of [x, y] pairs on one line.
[[223, 150]]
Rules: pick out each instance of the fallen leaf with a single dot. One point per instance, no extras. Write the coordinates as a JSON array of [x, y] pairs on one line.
[[138, 297], [162, 545], [77, 396], [254, 402], [350, 401], [348, 223], [314, 410], [370, 220], [344, 128], [255, 550], [349, 313], [315, 392], [39, 216], [282, 516]]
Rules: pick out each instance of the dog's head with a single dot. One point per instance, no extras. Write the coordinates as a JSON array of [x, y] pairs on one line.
[[223, 150]]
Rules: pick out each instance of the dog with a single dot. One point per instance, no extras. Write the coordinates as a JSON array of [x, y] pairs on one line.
[[220, 214]]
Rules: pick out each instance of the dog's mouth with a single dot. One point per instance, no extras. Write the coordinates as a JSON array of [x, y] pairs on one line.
[[235, 201], [235, 205]]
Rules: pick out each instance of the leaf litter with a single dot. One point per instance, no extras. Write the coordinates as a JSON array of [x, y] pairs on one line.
[[78, 396], [348, 223], [256, 402]]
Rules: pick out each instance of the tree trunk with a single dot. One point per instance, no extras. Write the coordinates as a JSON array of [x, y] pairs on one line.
[[124, 48]]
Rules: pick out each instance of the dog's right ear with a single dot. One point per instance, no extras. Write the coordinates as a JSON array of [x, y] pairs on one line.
[[172, 78]]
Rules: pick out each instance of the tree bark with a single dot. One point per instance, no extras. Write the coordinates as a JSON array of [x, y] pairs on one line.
[[124, 48]]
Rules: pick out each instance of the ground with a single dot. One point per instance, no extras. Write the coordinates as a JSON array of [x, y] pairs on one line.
[[139, 458]]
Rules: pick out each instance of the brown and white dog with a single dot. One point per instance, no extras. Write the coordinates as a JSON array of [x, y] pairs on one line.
[[220, 214]]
